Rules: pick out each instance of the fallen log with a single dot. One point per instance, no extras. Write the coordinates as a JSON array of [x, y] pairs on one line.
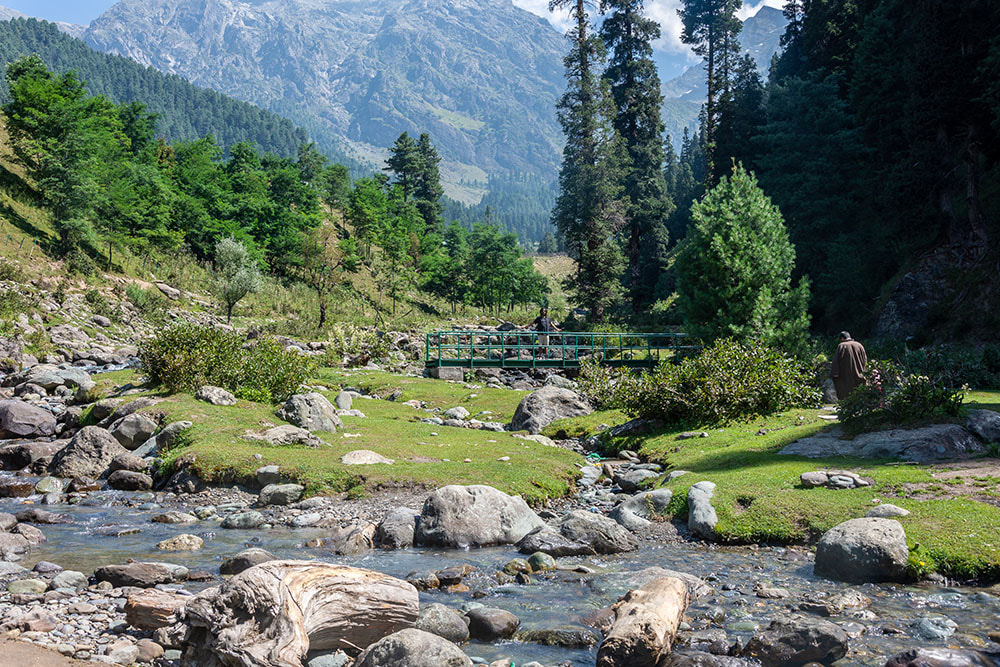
[[645, 625], [273, 613], [153, 609]]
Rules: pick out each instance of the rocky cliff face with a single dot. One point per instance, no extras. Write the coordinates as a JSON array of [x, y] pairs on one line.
[[482, 76]]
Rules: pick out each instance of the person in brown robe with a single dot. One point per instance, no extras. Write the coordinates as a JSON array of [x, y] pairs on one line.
[[848, 368]]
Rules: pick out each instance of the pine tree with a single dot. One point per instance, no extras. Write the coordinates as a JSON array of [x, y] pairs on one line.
[[635, 89], [741, 112], [711, 28], [427, 190], [589, 211], [404, 163]]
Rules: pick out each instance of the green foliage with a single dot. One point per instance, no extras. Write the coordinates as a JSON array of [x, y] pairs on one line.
[[236, 274], [734, 273], [13, 302], [725, 382], [891, 396], [11, 271], [187, 357], [150, 303], [344, 341]]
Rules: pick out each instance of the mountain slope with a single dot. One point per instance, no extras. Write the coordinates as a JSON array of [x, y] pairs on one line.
[[482, 76], [71, 29]]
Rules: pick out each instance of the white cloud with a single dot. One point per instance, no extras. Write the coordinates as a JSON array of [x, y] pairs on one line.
[[749, 9]]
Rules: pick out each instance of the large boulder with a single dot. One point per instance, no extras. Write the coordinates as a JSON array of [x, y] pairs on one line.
[[126, 480], [701, 513], [579, 533], [311, 411], [280, 494], [23, 420], [637, 512], [287, 434], [444, 622], [412, 648], [244, 560], [215, 396], [793, 640], [540, 408], [17, 455], [88, 454], [397, 528], [944, 657], [141, 575], [938, 442], [11, 354], [985, 424], [491, 623], [863, 550], [364, 457], [474, 516], [13, 546], [133, 430]]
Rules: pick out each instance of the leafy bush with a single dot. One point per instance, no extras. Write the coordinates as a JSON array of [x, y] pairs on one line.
[[725, 382], [12, 304], [151, 304], [186, 357], [11, 271], [891, 396], [345, 340]]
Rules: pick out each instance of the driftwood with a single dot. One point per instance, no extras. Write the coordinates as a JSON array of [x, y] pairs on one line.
[[153, 609], [646, 622], [273, 613]]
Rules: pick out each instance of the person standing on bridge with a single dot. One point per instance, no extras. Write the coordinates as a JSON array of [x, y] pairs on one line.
[[848, 368], [543, 325]]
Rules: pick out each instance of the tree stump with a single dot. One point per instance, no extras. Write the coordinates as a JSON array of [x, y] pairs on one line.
[[645, 625], [273, 613]]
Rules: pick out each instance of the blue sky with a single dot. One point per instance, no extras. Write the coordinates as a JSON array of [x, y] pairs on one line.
[[671, 56]]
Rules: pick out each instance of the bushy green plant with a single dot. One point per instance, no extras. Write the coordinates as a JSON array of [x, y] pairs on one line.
[[724, 382], [891, 396], [12, 304], [345, 340], [11, 271], [186, 357], [151, 304]]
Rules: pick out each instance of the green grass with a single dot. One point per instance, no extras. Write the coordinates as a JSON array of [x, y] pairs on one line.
[[758, 496], [218, 453]]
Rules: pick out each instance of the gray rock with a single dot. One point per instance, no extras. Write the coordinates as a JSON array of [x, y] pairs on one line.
[[863, 550], [286, 434], [491, 623], [363, 457], [985, 424], [797, 640], [335, 659], [934, 628], [474, 516], [244, 560], [49, 485], [23, 420], [268, 475], [443, 622], [129, 462], [305, 520], [174, 517], [412, 648], [943, 657], [243, 520], [577, 533], [397, 528], [7, 521], [13, 546], [16, 487], [691, 658], [104, 408], [215, 395], [140, 575], [30, 533], [459, 413], [813, 479], [88, 454], [280, 494], [886, 511], [540, 408], [311, 411], [555, 380], [27, 587], [133, 430], [69, 579], [636, 512], [344, 400], [939, 442], [701, 514], [630, 481], [126, 480]]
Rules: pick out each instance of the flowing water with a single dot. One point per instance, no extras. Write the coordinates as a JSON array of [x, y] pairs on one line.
[[100, 534]]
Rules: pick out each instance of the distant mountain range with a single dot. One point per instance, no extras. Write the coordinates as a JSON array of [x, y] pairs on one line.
[[76, 30]]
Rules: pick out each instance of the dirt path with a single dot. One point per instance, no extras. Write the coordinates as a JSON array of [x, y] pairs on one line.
[[23, 654]]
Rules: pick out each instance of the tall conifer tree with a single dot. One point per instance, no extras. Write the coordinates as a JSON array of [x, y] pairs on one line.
[[403, 162], [427, 190]]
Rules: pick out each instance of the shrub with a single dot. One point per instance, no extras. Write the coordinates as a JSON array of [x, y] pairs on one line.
[[186, 357], [12, 304], [891, 396], [11, 271], [151, 304], [725, 382], [345, 340]]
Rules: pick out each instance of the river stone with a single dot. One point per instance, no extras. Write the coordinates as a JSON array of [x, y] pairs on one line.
[[69, 579], [88, 454], [312, 411], [591, 533], [797, 640], [129, 462], [444, 622], [244, 560], [636, 512], [126, 480], [344, 401], [38, 515], [16, 487], [7, 521], [215, 395], [305, 520], [17, 455], [182, 542], [886, 511], [863, 550], [27, 587], [364, 457], [13, 546], [243, 520], [562, 637], [140, 575], [541, 562], [34, 535], [104, 408], [683, 657], [934, 628], [701, 514], [412, 648], [267, 475], [397, 528], [926, 444], [474, 516], [985, 424], [173, 516], [49, 485], [540, 408], [630, 481], [943, 657], [134, 430], [280, 494], [23, 420], [149, 651], [491, 623]]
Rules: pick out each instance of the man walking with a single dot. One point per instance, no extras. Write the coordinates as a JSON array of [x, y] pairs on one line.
[[543, 325], [848, 368]]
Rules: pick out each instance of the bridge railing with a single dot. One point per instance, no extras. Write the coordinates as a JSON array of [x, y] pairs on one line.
[[561, 349]]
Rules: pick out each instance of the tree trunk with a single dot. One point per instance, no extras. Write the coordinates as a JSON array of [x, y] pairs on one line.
[[229, 312], [273, 613], [646, 623], [322, 310]]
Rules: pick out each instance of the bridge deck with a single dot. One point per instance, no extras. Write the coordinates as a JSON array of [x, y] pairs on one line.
[[563, 349]]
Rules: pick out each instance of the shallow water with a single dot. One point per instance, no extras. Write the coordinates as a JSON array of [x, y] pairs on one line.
[[556, 600]]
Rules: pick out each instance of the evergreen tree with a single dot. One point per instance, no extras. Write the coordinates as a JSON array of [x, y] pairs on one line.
[[741, 111], [635, 88], [404, 163], [711, 28], [589, 211], [427, 190], [734, 274]]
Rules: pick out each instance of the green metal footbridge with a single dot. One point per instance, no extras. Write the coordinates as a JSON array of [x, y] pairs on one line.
[[562, 349]]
